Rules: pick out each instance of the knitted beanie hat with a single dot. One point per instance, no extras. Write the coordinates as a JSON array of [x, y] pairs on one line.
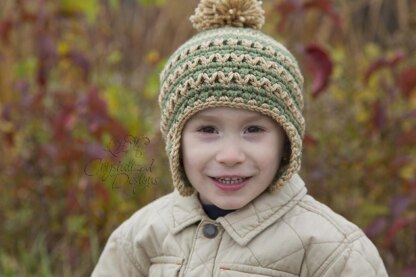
[[230, 63]]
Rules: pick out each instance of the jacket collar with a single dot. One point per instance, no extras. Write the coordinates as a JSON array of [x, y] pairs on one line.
[[246, 223]]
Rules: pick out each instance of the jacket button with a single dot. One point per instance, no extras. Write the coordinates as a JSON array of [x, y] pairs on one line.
[[210, 231]]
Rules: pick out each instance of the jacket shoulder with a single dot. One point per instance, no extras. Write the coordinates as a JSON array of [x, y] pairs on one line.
[[129, 248], [331, 242], [147, 216], [159, 205]]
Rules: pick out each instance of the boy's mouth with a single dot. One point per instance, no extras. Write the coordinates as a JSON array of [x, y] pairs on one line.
[[230, 180]]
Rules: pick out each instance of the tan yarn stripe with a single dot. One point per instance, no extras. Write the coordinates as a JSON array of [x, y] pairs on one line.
[[204, 40], [231, 78], [237, 59], [226, 79], [267, 65], [287, 101], [264, 109], [280, 57], [296, 142], [200, 105]]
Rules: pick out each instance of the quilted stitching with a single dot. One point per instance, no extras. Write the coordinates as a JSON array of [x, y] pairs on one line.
[[244, 225], [287, 232]]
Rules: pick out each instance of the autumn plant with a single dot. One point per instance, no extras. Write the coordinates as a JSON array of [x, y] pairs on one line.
[[78, 108], [361, 88]]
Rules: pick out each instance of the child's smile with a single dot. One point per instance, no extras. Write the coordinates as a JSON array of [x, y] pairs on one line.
[[231, 155], [230, 183]]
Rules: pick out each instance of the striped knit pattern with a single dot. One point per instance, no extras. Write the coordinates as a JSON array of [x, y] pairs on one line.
[[231, 67]]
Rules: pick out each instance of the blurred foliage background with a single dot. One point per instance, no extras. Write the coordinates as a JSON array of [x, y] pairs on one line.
[[79, 139]]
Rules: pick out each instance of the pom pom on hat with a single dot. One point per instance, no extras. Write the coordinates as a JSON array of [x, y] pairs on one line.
[[212, 14]]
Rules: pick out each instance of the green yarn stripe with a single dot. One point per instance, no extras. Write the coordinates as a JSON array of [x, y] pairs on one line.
[[197, 43], [233, 33], [238, 50], [229, 67], [232, 91], [213, 49]]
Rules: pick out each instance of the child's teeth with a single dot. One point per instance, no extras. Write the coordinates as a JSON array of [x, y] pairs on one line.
[[230, 180]]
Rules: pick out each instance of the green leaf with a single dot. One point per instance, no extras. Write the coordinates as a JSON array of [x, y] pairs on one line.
[[75, 223], [114, 4], [151, 89], [26, 68], [87, 7], [374, 210], [151, 2], [115, 57], [122, 104]]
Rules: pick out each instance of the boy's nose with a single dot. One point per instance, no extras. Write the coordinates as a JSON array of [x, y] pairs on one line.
[[230, 154]]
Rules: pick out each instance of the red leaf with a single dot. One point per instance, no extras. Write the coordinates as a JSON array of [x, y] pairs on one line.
[[26, 16], [375, 66], [6, 115], [379, 117], [70, 152], [407, 81], [102, 191], [310, 140], [286, 8], [319, 64], [64, 120], [397, 225], [412, 184], [381, 63], [397, 58], [96, 104], [5, 28], [64, 123], [46, 56], [72, 201], [407, 138], [116, 129], [97, 117], [289, 6], [42, 74]]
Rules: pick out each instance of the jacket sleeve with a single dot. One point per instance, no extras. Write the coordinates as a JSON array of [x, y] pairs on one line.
[[358, 258], [119, 257]]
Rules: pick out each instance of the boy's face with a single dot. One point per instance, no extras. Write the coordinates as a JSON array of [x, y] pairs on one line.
[[231, 155]]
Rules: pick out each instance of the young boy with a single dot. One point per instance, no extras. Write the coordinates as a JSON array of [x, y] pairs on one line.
[[231, 102]]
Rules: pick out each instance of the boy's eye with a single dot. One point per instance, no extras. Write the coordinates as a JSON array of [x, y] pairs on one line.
[[254, 129], [207, 129]]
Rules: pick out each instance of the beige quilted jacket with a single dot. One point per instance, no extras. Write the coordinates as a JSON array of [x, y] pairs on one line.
[[286, 233]]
